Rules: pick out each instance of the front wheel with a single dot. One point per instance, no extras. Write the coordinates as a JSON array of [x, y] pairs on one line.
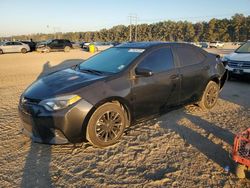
[[106, 125], [47, 49], [210, 96]]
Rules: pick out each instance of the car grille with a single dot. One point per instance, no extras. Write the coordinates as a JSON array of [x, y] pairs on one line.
[[28, 105], [239, 64]]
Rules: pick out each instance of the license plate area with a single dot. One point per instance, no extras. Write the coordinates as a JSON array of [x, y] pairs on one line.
[[238, 71]]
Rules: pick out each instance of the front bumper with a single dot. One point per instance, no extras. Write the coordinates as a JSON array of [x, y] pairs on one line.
[[238, 70], [59, 127]]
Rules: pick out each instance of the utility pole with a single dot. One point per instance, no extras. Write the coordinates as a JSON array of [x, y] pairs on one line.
[[136, 26], [132, 19]]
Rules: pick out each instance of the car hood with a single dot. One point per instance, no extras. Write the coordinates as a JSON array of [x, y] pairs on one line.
[[239, 56], [59, 83]]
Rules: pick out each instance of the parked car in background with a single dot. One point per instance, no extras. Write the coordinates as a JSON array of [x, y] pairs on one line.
[[100, 46], [85, 46], [11, 47], [31, 44], [115, 43], [196, 44], [204, 45], [54, 45], [238, 62], [216, 44], [105, 94], [75, 45]]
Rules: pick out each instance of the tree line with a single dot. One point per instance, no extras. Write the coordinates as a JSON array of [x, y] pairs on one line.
[[235, 29]]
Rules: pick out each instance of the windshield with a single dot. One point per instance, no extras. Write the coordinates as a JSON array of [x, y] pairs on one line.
[[112, 60], [245, 48]]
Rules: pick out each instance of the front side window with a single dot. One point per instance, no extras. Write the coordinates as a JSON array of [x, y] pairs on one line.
[[112, 60], [54, 42], [17, 43], [159, 60], [245, 48], [189, 56]]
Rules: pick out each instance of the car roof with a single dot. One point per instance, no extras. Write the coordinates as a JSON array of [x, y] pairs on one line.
[[143, 45], [147, 45]]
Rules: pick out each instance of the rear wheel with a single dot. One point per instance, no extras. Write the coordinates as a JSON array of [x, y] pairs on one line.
[[210, 96], [1, 51], [24, 50], [106, 124], [66, 48]]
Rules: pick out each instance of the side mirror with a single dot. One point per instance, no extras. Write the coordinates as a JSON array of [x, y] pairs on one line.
[[143, 72]]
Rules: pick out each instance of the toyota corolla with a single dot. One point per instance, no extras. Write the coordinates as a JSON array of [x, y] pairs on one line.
[[99, 98]]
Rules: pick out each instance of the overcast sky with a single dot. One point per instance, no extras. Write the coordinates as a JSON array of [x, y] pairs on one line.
[[47, 16]]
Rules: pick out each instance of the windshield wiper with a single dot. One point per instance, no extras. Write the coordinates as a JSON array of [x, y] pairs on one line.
[[92, 71]]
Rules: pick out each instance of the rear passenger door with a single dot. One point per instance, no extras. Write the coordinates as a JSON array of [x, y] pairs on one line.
[[154, 93], [194, 71], [17, 46]]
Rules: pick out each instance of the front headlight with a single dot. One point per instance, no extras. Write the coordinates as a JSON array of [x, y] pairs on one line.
[[60, 102]]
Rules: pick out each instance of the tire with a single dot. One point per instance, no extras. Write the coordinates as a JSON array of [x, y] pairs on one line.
[[1, 51], [210, 96], [240, 171], [106, 125], [47, 50], [24, 50], [66, 49]]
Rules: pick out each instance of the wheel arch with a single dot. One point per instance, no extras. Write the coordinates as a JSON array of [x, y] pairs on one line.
[[215, 78], [123, 102], [220, 81]]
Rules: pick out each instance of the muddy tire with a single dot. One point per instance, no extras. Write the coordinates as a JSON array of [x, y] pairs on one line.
[[24, 50], [240, 171], [106, 125], [66, 49], [210, 96], [47, 50]]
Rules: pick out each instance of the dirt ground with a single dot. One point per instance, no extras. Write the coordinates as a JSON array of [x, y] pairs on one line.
[[186, 147]]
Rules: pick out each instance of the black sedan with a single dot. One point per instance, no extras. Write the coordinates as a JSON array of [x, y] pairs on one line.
[[99, 98]]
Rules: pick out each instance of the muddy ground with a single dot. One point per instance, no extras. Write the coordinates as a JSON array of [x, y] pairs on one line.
[[186, 147]]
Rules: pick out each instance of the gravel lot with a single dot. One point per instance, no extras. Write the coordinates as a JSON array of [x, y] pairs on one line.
[[183, 148]]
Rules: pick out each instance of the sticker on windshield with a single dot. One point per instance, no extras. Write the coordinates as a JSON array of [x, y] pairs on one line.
[[121, 67], [136, 50]]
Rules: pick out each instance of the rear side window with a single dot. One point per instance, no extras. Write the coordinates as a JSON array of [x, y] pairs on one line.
[[159, 60], [189, 55]]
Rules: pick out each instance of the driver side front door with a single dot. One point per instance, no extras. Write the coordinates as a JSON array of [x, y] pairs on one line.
[[160, 90]]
